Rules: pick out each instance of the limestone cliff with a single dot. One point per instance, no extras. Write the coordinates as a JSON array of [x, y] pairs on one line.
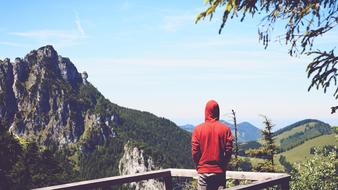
[[135, 161]]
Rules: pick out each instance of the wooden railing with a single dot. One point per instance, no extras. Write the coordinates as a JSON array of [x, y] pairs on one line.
[[260, 180]]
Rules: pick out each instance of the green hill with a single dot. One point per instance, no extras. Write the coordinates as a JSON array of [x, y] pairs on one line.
[[288, 133], [293, 135], [302, 151], [295, 143], [300, 132]]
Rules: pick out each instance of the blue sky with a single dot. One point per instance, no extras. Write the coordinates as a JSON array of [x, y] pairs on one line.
[[149, 55]]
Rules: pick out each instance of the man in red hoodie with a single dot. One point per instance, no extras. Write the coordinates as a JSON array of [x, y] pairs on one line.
[[211, 149]]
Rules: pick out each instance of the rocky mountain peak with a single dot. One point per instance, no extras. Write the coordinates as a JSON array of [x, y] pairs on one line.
[[47, 61], [45, 98], [47, 51]]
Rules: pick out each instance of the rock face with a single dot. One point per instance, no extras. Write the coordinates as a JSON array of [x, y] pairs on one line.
[[40, 99], [135, 161], [8, 103]]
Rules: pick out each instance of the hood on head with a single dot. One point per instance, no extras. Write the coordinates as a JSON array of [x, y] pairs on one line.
[[212, 111]]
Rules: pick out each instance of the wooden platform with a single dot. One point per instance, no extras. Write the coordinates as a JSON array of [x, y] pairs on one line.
[[260, 180]]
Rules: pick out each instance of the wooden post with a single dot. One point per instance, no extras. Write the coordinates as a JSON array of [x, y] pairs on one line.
[[285, 185], [168, 182]]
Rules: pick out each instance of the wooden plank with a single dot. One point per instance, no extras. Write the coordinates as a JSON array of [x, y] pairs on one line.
[[116, 180], [265, 183], [255, 176], [183, 173]]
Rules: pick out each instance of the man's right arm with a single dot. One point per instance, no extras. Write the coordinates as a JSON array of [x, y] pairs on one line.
[[195, 147]]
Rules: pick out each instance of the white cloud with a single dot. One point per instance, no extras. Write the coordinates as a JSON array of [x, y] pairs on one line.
[[174, 23], [214, 42], [12, 44], [221, 70], [59, 38], [47, 34], [125, 5], [79, 26]]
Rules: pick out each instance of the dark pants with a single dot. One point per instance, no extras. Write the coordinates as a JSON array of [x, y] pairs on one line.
[[211, 181]]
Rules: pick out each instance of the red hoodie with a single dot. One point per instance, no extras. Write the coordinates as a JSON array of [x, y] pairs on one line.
[[211, 142]]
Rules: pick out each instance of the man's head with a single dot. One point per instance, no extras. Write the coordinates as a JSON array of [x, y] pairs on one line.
[[211, 111]]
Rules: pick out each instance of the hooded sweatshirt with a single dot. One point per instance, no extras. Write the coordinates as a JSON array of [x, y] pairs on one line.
[[211, 142]]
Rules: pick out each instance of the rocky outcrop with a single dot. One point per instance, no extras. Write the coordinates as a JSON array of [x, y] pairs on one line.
[[84, 76], [135, 161], [43, 98]]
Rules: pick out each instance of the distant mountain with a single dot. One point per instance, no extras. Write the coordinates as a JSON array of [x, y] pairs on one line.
[[188, 127], [246, 131]]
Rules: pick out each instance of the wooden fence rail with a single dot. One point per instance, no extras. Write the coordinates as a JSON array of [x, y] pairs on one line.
[[260, 180]]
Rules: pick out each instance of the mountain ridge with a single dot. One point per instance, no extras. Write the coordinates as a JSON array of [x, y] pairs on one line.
[[296, 124], [246, 131], [45, 99]]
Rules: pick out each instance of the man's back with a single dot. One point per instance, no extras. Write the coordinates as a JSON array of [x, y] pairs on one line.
[[215, 147], [211, 146]]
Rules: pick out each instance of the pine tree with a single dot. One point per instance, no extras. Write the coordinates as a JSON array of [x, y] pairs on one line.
[[236, 139], [235, 162], [268, 150]]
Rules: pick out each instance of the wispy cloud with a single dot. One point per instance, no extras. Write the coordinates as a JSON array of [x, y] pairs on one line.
[[78, 25], [47, 34], [60, 38], [213, 42], [12, 44], [174, 23], [125, 5], [162, 67]]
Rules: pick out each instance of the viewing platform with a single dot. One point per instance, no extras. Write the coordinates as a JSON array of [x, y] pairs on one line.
[[259, 180]]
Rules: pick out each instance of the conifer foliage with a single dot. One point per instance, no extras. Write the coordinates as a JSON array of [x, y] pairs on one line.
[[268, 150], [236, 139]]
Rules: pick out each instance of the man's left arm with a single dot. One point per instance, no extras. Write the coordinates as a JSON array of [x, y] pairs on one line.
[[195, 147]]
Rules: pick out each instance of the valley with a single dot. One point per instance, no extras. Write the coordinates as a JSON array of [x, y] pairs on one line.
[[51, 113]]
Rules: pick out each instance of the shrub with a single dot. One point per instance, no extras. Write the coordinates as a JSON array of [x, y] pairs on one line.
[[319, 172]]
